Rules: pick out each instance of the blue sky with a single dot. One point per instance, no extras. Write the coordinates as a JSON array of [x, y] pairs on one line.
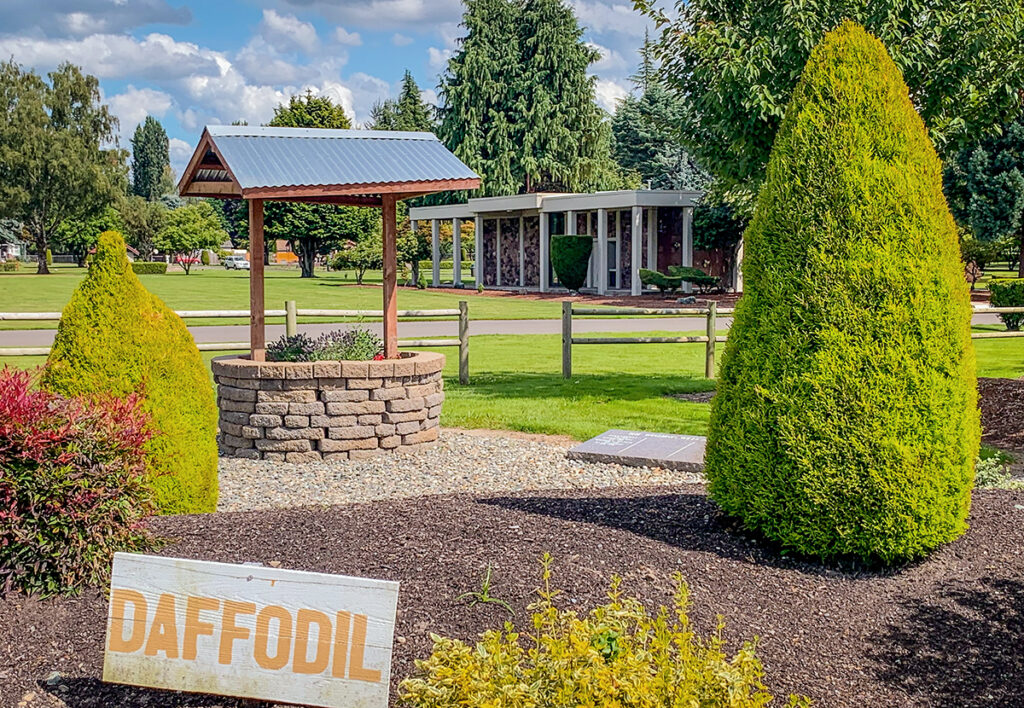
[[195, 63]]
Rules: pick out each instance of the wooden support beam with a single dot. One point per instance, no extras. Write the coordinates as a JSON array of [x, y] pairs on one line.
[[257, 334], [390, 276]]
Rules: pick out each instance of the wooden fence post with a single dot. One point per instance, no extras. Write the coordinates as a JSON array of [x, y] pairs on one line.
[[463, 342], [566, 339], [291, 321], [709, 357]]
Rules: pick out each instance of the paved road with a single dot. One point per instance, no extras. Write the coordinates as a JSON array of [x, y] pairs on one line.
[[430, 329]]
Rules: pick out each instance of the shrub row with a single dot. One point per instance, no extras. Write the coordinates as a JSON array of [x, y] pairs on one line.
[[73, 489], [148, 268], [9, 266]]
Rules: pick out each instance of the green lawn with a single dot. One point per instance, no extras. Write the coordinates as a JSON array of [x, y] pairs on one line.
[[219, 289], [517, 384]]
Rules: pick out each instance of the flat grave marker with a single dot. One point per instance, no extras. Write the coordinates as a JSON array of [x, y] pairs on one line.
[[641, 449], [249, 631]]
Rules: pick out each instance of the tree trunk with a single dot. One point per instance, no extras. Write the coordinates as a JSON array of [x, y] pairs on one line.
[[41, 244], [1020, 257], [415, 272], [307, 257]]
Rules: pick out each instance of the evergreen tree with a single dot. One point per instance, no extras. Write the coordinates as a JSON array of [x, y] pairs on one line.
[[408, 112], [311, 111], [985, 187], [846, 415], [151, 161], [517, 104]]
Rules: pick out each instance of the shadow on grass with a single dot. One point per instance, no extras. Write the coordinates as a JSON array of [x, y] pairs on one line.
[[959, 648], [691, 522]]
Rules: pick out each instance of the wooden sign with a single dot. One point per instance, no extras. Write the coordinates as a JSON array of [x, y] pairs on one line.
[[250, 631]]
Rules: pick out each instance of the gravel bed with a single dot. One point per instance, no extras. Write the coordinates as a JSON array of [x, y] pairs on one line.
[[460, 462]]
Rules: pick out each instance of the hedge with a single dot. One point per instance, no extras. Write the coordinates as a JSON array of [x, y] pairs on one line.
[[148, 268], [117, 338], [1008, 293], [845, 422], [9, 266], [570, 259]]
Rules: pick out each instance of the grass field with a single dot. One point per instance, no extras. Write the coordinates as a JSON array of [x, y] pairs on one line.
[[219, 289], [516, 384]]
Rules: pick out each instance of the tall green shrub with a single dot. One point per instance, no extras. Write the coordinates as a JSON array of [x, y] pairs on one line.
[[1008, 293], [115, 337], [570, 259], [846, 418]]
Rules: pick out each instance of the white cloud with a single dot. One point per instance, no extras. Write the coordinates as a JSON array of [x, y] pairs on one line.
[[180, 153], [429, 96], [401, 40], [611, 62], [610, 16], [382, 14], [287, 32], [609, 93], [351, 39], [438, 58], [56, 18], [133, 105]]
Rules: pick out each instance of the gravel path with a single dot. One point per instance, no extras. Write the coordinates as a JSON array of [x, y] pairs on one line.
[[459, 462]]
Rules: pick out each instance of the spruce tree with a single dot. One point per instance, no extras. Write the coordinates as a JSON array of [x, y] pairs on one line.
[[408, 112], [845, 421], [151, 160]]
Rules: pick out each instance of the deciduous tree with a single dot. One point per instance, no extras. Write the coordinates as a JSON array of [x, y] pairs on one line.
[[189, 230]]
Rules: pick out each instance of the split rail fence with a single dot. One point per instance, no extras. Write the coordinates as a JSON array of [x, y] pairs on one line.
[[291, 313], [710, 338]]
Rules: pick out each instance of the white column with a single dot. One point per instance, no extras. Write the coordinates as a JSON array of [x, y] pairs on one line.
[[545, 252], [435, 253], [456, 251], [570, 223], [738, 270], [636, 241], [478, 239], [591, 282], [687, 245], [522, 252], [652, 238], [497, 250], [602, 251]]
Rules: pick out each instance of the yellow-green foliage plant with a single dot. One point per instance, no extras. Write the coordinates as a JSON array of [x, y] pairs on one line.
[[116, 337], [616, 655], [845, 422]]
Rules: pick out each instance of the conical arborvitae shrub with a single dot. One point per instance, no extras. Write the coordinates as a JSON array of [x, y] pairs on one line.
[[116, 337], [846, 421]]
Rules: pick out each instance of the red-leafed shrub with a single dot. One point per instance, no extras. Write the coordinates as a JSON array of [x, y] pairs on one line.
[[73, 486]]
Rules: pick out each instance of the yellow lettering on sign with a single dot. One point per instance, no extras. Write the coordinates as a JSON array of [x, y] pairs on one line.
[[357, 671], [341, 644], [230, 631], [304, 620], [284, 637], [194, 625], [118, 599], [163, 632]]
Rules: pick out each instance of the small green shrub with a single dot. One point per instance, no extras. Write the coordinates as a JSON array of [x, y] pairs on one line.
[[10, 266], [49, 257], [147, 268], [354, 344], [618, 654], [73, 486], [204, 257], [845, 421], [1008, 293], [694, 276], [116, 338], [570, 258], [990, 473], [664, 283]]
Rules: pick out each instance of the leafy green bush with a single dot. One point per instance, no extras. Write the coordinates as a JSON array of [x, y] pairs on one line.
[[49, 257], [694, 276], [147, 268], [664, 283], [353, 344], [72, 486], [991, 473], [1008, 293], [616, 655], [570, 258], [845, 421], [204, 257], [9, 266], [117, 338]]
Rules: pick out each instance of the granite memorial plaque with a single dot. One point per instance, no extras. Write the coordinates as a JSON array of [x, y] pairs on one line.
[[639, 449]]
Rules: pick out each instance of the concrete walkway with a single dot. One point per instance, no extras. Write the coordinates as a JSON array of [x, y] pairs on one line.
[[412, 329]]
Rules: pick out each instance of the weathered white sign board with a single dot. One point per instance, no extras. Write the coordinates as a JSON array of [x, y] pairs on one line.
[[249, 631]]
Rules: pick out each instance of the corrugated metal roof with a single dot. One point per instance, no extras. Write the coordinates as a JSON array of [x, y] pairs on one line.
[[293, 157]]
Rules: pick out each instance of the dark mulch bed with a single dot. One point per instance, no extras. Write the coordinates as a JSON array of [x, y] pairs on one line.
[[946, 632], [1002, 412]]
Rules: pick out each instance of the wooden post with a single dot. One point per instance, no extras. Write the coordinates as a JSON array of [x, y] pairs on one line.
[[709, 356], [257, 333], [463, 342], [390, 276], [291, 322], [566, 339]]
